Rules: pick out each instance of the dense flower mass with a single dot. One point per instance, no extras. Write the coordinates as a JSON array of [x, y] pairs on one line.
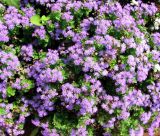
[[79, 68]]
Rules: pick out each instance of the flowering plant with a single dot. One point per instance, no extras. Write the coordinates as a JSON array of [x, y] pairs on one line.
[[79, 68]]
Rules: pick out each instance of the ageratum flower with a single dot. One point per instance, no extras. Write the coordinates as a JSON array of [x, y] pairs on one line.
[[79, 68]]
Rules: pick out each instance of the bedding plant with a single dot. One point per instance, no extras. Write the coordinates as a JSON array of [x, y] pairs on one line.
[[79, 68]]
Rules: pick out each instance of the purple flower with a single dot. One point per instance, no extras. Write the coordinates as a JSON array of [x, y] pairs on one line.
[[79, 132], [27, 52], [40, 33], [3, 33], [156, 38], [67, 16]]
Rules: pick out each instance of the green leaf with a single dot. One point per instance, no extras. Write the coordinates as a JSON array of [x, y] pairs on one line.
[[111, 17], [123, 59], [127, 67], [15, 3], [2, 111], [90, 131], [21, 126], [82, 120], [64, 122], [34, 132], [36, 20], [99, 47], [30, 84], [131, 51], [142, 28], [113, 63], [102, 117], [10, 91], [50, 27], [127, 34], [56, 16], [64, 24], [118, 34], [138, 40], [44, 19]]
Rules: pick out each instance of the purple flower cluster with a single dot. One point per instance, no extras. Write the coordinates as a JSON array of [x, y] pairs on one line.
[[13, 18], [9, 64], [40, 32], [79, 68], [27, 52], [3, 33]]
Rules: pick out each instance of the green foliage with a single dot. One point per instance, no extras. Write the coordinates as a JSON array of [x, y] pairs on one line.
[[157, 15], [138, 40], [127, 34], [10, 91], [65, 73], [21, 126], [44, 19], [30, 84], [150, 58], [134, 15], [115, 33], [102, 117], [64, 122], [36, 20], [99, 47], [130, 51], [82, 120], [15, 3], [142, 28], [143, 85], [136, 111], [2, 111], [111, 17], [151, 42], [39, 21], [34, 132], [79, 15], [113, 63], [50, 27], [39, 55], [44, 42], [2, 10], [90, 131], [64, 24], [125, 125], [55, 16], [123, 59]]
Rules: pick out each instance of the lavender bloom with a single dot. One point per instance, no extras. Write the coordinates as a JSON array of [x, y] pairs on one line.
[[98, 66], [27, 52], [11, 64], [67, 16], [145, 117], [3, 33], [80, 131], [138, 132], [12, 17], [49, 75], [156, 38], [40, 32], [69, 95], [52, 57], [87, 107]]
